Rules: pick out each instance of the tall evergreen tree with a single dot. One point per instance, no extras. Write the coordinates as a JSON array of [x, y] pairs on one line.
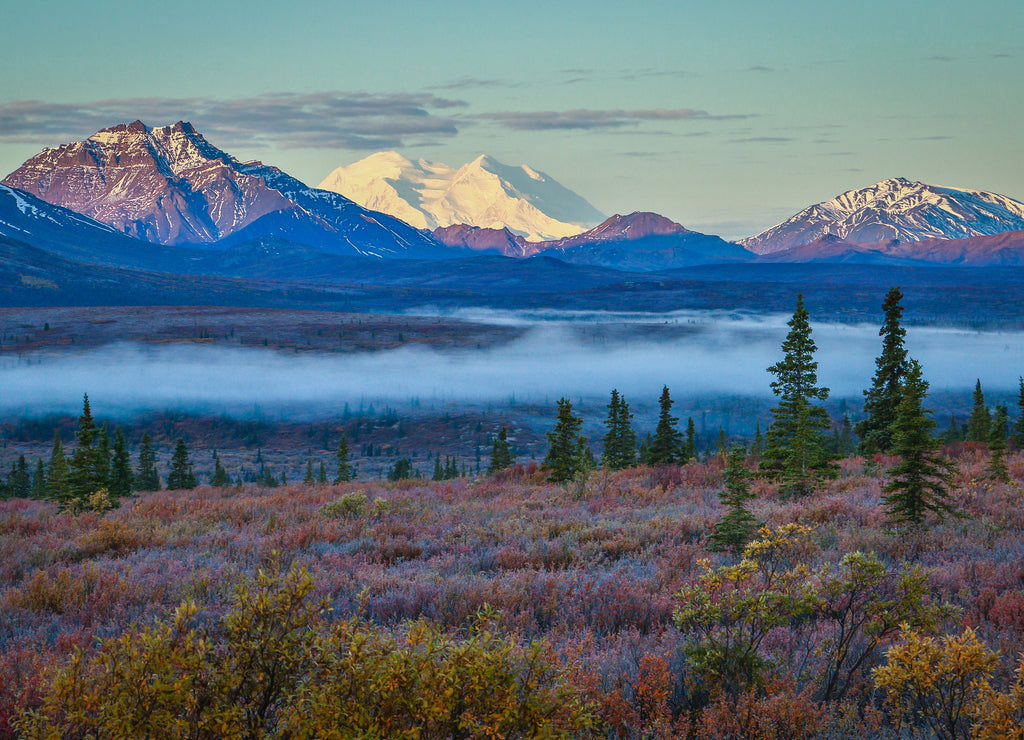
[[321, 474], [57, 472], [737, 527], [757, 447], [39, 481], [220, 477], [147, 478], [919, 480], [886, 391], [90, 463], [689, 451], [501, 453], [667, 442], [1018, 426], [121, 477], [567, 455], [438, 469], [620, 439], [103, 456], [796, 445], [344, 467], [997, 445], [980, 421], [181, 476]]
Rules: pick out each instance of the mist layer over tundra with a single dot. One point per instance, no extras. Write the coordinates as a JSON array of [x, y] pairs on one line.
[[572, 355]]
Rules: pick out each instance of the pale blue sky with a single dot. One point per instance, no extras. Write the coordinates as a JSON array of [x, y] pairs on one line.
[[726, 116]]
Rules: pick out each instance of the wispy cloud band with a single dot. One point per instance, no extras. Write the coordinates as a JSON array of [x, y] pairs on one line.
[[585, 119], [287, 120]]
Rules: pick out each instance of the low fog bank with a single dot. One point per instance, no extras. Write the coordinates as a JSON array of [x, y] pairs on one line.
[[717, 355]]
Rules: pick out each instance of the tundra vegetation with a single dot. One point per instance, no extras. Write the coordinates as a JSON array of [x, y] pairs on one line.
[[789, 591]]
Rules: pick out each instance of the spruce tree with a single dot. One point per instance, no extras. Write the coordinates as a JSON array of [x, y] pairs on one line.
[[103, 456], [57, 472], [501, 453], [121, 477], [566, 458], [978, 424], [886, 391], [308, 479], [737, 527], [321, 475], [147, 478], [344, 467], [689, 451], [667, 441], [997, 446], [90, 463], [39, 481], [438, 470], [796, 445], [180, 477], [920, 479], [1018, 426], [220, 476], [758, 445], [620, 439]]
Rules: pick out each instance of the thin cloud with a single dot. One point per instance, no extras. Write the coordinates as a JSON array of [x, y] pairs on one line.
[[287, 120], [763, 140], [590, 120], [759, 68], [941, 58], [470, 82]]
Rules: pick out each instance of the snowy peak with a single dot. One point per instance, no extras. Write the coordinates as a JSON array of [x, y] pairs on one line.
[[899, 209], [483, 193]]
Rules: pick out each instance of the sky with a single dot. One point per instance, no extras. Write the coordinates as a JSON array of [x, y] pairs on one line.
[[727, 117]]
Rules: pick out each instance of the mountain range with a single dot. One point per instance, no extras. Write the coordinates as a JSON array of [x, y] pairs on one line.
[[168, 185], [160, 202], [484, 193]]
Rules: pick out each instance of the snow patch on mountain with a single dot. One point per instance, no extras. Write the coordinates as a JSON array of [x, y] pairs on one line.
[[483, 193]]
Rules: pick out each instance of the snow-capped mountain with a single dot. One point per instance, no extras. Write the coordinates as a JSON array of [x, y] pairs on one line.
[[168, 185], [895, 209], [483, 193]]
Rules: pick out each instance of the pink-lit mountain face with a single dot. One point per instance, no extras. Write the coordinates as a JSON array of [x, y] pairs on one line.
[[895, 209], [639, 241], [168, 185]]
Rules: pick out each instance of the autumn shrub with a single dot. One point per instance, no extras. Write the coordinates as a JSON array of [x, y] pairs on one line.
[[351, 505], [934, 682], [426, 684], [186, 678]]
